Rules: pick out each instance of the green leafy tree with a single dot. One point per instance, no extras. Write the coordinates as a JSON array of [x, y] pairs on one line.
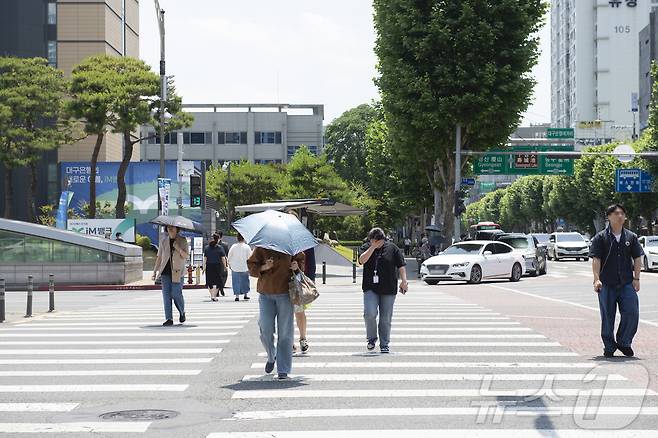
[[136, 103], [449, 63], [93, 89], [32, 120], [250, 184], [346, 142], [310, 176]]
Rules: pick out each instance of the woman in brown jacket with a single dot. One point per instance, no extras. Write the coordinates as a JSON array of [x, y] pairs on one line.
[[173, 252], [273, 270]]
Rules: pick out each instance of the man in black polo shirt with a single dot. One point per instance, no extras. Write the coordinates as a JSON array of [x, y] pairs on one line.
[[382, 262], [616, 265]]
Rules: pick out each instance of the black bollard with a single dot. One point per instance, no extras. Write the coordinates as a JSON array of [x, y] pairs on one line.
[[51, 293], [30, 288], [324, 272], [2, 300], [354, 266]]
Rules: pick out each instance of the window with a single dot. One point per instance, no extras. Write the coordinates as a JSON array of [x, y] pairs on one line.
[[503, 249], [52, 13], [170, 138], [52, 53], [221, 138], [232, 138], [268, 137], [197, 137], [292, 150], [243, 138]]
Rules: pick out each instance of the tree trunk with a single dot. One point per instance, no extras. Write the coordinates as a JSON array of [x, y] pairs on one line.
[[9, 192], [31, 194], [92, 181], [121, 177]]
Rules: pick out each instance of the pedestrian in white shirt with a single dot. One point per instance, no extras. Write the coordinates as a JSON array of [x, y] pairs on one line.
[[237, 261]]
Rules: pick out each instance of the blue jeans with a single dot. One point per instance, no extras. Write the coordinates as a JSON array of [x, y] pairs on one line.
[[373, 302], [240, 282], [629, 308], [277, 307], [171, 290]]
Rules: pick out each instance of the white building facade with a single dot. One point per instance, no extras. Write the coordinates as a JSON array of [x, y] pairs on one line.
[[258, 133], [595, 66]]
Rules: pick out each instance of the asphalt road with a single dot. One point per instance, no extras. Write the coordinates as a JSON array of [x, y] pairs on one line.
[[497, 359]]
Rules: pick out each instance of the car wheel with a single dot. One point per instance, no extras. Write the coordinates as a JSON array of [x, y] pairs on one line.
[[544, 268], [432, 282], [556, 258], [645, 264], [516, 273], [476, 275]]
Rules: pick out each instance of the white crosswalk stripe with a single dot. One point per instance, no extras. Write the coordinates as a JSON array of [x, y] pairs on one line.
[[442, 365], [109, 352]]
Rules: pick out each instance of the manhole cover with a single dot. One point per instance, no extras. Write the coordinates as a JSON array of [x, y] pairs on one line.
[[140, 414]]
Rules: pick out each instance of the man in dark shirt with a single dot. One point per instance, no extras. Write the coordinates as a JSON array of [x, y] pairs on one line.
[[382, 261], [616, 264], [224, 275]]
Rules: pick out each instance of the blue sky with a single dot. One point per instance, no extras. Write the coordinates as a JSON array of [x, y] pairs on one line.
[[285, 51]]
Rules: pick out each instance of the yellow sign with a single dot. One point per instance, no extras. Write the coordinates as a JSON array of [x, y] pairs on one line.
[[590, 124]]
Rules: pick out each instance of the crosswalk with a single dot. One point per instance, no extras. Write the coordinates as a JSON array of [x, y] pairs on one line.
[[52, 367], [450, 373]]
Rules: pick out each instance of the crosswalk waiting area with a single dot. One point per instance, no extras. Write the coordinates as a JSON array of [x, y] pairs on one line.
[[455, 369]]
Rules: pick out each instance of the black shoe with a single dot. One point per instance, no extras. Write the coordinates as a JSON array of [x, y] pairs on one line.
[[182, 318], [168, 323], [269, 367], [303, 344], [371, 345], [627, 351], [214, 299], [282, 376], [246, 298], [222, 292], [608, 353], [237, 298]]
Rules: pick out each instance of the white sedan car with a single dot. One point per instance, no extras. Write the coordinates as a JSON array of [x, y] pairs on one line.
[[650, 246], [473, 261]]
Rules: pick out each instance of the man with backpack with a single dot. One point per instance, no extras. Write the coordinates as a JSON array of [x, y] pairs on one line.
[[616, 264]]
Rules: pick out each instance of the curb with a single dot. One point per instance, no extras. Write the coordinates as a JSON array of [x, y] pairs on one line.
[[111, 287]]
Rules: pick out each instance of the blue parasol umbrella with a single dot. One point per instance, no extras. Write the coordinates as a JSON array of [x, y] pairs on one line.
[[275, 230], [179, 221]]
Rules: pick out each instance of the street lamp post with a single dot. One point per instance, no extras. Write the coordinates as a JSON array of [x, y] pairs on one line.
[[160, 13], [227, 168]]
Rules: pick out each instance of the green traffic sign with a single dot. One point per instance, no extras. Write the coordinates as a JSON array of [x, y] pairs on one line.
[[519, 163], [559, 133]]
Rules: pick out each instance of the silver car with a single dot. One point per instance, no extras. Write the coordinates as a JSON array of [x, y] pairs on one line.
[[567, 246]]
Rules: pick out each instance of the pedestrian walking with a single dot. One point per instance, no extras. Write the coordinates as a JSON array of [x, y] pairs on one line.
[[273, 270], [173, 252], [225, 246], [382, 262], [215, 266], [238, 255], [407, 246], [300, 310], [616, 264]]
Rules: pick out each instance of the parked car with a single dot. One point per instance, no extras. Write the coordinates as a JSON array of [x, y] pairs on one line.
[[473, 261], [650, 246], [530, 249], [567, 246], [542, 238]]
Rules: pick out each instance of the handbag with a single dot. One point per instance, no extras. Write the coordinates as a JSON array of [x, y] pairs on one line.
[[302, 290]]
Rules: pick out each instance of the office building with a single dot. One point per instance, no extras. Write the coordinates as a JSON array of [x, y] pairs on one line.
[[259, 133], [595, 66], [65, 32], [648, 53]]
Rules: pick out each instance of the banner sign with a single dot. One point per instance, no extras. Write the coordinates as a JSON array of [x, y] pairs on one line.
[[107, 228], [63, 209], [164, 188]]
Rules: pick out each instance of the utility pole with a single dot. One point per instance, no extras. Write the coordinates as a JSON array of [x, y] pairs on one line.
[[163, 84], [458, 176], [180, 173], [228, 197]]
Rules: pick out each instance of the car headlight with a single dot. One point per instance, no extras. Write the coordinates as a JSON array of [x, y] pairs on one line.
[[461, 265]]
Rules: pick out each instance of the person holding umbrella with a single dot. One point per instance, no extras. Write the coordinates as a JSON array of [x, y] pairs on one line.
[[279, 240], [173, 252]]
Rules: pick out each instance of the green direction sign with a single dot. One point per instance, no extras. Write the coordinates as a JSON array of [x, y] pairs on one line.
[[559, 133], [486, 187], [519, 163]]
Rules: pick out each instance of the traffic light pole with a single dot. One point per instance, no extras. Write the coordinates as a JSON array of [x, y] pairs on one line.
[[458, 178], [180, 173]]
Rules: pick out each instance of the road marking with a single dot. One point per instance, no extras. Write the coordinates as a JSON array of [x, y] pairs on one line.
[[471, 433], [433, 353], [418, 323], [37, 407], [109, 360], [164, 334], [132, 323], [442, 344], [100, 427], [405, 393], [595, 309], [148, 329], [94, 388], [546, 317], [437, 377], [418, 412], [145, 341], [68, 373], [111, 351], [425, 329], [415, 318], [158, 317], [584, 365], [557, 275]]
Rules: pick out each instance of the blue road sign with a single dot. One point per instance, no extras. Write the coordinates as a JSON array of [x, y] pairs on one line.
[[468, 181], [633, 181]]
